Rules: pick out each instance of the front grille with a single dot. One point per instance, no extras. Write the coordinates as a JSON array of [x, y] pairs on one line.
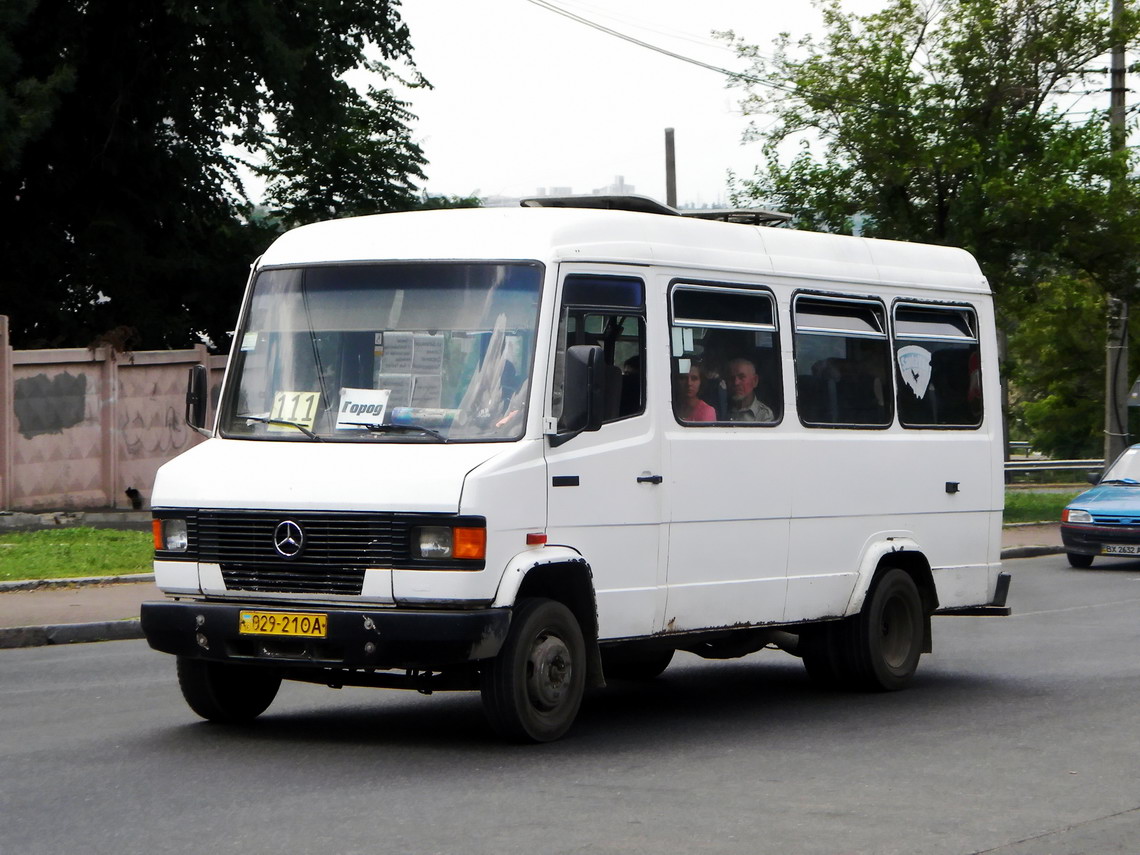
[[1108, 519], [294, 580], [336, 550]]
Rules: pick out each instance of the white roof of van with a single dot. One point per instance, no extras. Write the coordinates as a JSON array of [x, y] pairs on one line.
[[565, 234]]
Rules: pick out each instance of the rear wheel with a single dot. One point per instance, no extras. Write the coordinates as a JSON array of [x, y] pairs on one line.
[[228, 694], [877, 649], [532, 690], [1079, 559]]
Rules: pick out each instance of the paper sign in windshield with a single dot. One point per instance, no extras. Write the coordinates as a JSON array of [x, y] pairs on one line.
[[293, 408], [914, 365], [361, 407]]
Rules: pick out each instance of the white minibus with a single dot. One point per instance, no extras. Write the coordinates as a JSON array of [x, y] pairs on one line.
[[526, 451]]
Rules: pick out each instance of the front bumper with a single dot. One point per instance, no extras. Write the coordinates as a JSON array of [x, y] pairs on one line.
[[1088, 539], [357, 638]]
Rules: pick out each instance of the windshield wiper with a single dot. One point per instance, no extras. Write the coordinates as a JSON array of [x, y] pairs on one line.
[[386, 428], [268, 421], [1120, 481]]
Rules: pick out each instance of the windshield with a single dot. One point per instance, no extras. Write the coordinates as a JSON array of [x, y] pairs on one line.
[[422, 352], [1126, 467]]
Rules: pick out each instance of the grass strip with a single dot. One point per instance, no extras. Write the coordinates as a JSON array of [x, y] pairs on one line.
[[1022, 506], [59, 553]]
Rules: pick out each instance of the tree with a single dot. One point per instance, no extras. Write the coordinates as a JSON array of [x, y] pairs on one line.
[[123, 127], [960, 122]]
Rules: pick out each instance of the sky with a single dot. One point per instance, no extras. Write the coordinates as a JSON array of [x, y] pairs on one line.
[[525, 98]]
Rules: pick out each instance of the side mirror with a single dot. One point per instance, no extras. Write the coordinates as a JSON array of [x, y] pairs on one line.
[[582, 397], [1094, 477], [197, 392]]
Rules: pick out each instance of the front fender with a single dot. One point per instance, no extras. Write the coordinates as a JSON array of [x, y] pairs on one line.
[[523, 563]]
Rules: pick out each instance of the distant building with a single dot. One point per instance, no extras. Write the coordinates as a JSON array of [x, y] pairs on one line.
[[618, 188]]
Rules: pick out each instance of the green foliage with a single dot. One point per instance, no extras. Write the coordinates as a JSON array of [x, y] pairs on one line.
[[961, 123], [61, 553], [943, 123], [1056, 369], [122, 126]]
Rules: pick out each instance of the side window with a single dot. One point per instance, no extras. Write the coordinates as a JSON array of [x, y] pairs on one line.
[[843, 374], [607, 311], [725, 355], [938, 366]]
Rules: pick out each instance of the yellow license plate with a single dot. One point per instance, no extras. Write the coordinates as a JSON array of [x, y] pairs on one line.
[[283, 623]]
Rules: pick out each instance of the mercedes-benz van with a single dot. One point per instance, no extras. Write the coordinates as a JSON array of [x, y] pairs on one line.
[[525, 451]]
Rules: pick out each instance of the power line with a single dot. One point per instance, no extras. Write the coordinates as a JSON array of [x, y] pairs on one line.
[[566, 13], [834, 99]]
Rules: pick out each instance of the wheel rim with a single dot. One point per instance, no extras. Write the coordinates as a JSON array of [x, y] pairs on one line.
[[548, 672], [896, 633]]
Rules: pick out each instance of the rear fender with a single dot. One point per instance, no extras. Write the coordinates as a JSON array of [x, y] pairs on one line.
[[876, 549]]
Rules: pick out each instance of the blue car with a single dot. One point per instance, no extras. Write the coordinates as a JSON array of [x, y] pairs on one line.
[[1106, 519]]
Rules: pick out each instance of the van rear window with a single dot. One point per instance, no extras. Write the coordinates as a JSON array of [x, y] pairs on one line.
[[938, 366]]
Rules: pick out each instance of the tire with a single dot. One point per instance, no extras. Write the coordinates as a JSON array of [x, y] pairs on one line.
[[638, 665], [1079, 560], [886, 638], [227, 694], [532, 690]]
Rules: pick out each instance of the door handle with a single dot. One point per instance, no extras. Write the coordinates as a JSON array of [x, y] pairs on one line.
[[649, 479]]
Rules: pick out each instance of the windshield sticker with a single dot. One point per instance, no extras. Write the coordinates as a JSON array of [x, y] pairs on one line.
[[397, 352], [427, 390], [249, 342], [399, 386], [299, 408], [361, 407], [914, 365], [427, 356]]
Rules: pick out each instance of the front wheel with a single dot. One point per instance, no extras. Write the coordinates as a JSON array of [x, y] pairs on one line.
[[1079, 560], [224, 693], [532, 690]]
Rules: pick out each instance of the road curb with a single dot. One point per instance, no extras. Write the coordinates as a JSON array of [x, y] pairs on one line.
[[1030, 551], [69, 633], [75, 582]]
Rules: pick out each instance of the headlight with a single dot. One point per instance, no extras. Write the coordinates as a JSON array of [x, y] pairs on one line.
[[432, 541], [438, 541], [1074, 515], [170, 535]]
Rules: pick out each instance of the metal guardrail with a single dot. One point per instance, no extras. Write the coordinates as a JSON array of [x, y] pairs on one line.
[[1049, 465]]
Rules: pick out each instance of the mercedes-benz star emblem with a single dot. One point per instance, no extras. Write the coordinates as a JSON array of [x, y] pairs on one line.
[[288, 539]]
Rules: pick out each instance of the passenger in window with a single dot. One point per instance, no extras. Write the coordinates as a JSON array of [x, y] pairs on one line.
[[743, 405], [687, 402]]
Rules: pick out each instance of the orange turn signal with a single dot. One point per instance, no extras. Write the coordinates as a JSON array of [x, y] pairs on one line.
[[469, 543], [156, 528]]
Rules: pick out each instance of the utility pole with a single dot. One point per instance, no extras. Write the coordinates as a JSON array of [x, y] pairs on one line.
[[1116, 380], [670, 170]]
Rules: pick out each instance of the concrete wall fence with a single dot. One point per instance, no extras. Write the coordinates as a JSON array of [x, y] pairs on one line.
[[80, 427]]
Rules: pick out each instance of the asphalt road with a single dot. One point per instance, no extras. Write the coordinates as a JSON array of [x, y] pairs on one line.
[[1019, 735]]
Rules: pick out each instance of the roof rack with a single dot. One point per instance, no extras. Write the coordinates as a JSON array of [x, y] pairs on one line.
[[646, 205], [747, 216], [640, 204]]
